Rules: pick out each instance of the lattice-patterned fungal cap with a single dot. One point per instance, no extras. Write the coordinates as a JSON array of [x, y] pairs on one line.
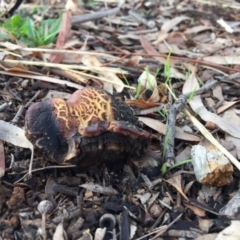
[[91, 124]]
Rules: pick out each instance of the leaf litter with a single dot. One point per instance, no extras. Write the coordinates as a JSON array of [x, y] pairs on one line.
[[152, 54]]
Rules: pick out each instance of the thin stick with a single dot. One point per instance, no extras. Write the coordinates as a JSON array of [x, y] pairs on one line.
[[94, 16]]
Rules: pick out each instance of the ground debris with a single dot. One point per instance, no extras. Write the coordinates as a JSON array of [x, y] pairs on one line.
[[176, 65]]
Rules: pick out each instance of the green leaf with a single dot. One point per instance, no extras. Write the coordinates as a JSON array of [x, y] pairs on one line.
[[164, 168], [167, 68], [54, 29], [48, 30], [138, 91], [16, 22], [13, 25], [163, 114], [125, 79], [29, 29], [39, 40], [191, 95], [181, 163], [25, 30]]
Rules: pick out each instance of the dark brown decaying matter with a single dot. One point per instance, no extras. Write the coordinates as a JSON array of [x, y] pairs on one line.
[[91, 125]]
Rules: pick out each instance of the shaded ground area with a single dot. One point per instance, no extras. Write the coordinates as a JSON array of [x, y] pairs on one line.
[[175, 63]]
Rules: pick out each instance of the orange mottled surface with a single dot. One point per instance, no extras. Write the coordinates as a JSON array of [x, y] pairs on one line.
[[90, 124]]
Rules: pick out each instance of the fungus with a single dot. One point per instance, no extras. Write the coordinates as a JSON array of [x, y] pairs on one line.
[[44, 207]]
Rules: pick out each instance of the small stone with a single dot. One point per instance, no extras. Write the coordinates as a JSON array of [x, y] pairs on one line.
[[155, 210], [25, 83], [211, 166]]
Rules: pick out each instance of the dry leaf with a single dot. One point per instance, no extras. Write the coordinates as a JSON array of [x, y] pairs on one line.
[[9, 46], [143, 197], [62, 37], [188, 187], [198, 29], [161, 37], [185, 154], [16, 136], [223, 60], [174, 73], [176, 182], [161, 128], [226, 105], [59, 232], [198, 211], [232, 117], [141, 103], [167, 26], [151, 50], [217, 93], [148, 81], [114, 80], [99, 189], [213, 140], [177, 38], [196, 104], [205, 224], [146, 162], [133, 61], [2, 55], [33, 75]]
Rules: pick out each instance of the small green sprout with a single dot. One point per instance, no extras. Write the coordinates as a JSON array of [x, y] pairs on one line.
[[191, 95], [201, 83], [125, 79], [164, 168], [157, 72], [138, 92], [163, 114], [167, 68]]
